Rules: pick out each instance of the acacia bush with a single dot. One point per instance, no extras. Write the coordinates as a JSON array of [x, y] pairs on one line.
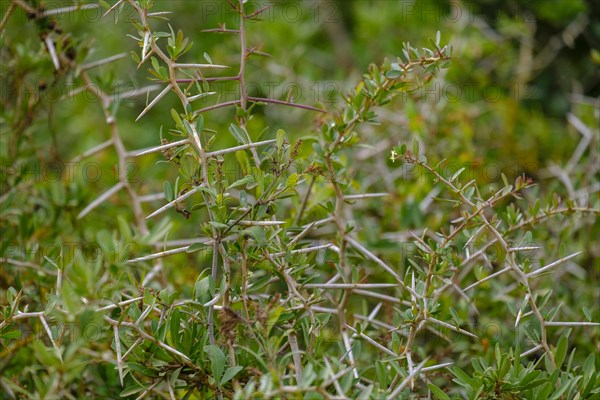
[[212, 238]]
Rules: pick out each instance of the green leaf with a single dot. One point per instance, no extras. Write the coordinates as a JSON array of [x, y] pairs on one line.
[[563, 388], [437, 392], [218, 225], [533, 384], [546, 390], [280, 138], [504, 367], [455, 317], [230, 373], [244, 181], [292, 180], [135, 388], [561, 348], [200, 124], [259, 283], [11, 295], [240, 112], [168, 191], [273, 318], [11, 335], [135, 57], [174, 375], [188, 128], [202, 290], [188, 166], [155, 64], [415, 147], [217, 361], [90, 322], [258, 234], [463, 378], [51, 261], [589, 374], [210, 191], [176, 118], [587, 313], [530, 377], [238, 134], [142, 369], [457, 174], [393, 74], [243, 198], [124, 228], [381, 373], [174, 325]]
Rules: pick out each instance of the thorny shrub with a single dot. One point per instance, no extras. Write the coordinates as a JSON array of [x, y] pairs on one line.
[[294, 292]]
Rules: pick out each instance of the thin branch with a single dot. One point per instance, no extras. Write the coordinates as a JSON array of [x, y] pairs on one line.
[[293, 341], [120, 304], [103, 61], [261, 223], [452, 327], [364, 196], [143, 91], [487, 278], [373, 342], [380, 296], [532, 350], [286, 103], [439, 366], [349, 285], [219, 105], [552, 265], [64, 10], [171, 204], [383, 265], [200, 96], [151, 338], [119, 356], [112, 8], [207, 66], [151, 197], [159, 255], [93, 150], [101, 199], [149, 389], [49, 333], [241, 147], [137, 153], [520, 313], [557, 323], [9, 11], [307, 250], [153, 102], [220, 30], [209, 79], [52, 51], [394, 395]]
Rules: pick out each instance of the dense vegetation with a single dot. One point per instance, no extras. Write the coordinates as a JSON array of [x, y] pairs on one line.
[[299, 199]]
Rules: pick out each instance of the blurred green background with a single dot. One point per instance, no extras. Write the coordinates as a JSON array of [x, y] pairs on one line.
[[524, 80], [519, 68]]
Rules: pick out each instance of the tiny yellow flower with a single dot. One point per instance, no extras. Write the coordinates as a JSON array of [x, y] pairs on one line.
[[394, 155]]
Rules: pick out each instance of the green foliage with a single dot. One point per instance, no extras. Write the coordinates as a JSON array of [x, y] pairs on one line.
[[259, 245], [508, 378]]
